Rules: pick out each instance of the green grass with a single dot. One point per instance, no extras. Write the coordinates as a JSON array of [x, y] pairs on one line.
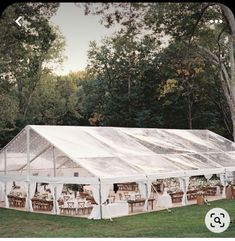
[[181, 222]]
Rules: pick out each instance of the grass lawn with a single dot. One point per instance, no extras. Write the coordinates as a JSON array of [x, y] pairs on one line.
[[181, 222]]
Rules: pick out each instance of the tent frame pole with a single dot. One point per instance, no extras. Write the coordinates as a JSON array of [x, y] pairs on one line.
[[54, 161], [5, 162], [224, 184], [5, 173], [54, 174], [28, 166], [147, 199], [100, 200]]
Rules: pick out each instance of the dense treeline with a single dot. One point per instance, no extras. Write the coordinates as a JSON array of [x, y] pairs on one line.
[[135, 78]]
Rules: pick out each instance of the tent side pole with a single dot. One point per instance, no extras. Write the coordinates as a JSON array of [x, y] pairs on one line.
[[100, 199], [5, 173], [28, 165], [54, 174], [5, 162], [147, 199], [54, 164]]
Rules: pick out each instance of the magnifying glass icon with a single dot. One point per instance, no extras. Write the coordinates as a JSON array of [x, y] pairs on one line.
[[217, 220]]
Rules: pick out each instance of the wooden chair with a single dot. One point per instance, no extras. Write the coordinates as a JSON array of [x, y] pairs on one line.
[[127, 196], [137, 196], [66, 198], [71, 208], [62, 209], [89, 207], [18, 202], [81, 207], [177, 197], [11, 201]]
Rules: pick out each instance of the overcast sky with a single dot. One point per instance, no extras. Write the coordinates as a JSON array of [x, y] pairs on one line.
[[78, 30]]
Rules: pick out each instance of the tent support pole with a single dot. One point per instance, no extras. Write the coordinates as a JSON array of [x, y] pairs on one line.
[[100, 199], [5, 162], [147, 200], [54, 164], [5, 173], [54, 169], [224, 185], [28, 167]]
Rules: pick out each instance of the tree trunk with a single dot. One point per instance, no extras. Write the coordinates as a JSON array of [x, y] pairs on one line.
[[232, 79], [227, 81], [190, 124], [229, 17]]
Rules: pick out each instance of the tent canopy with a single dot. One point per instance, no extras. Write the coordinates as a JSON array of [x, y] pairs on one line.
[[118, 154]]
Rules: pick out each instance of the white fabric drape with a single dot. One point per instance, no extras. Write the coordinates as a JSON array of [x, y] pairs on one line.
[[8, 190], [208, 176], [31, 192], [145, 191], [56, 190], [142, 189], [105, 189], [148, 190], [95, 192], [184, 182], [223, 183], [1, 191], [24, 190], [104, 192]]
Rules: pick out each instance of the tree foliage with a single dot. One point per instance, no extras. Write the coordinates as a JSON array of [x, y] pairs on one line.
[[167, 66]]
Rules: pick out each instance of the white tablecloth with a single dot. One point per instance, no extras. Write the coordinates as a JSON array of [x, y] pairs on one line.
[[110, 211], [164, 201]]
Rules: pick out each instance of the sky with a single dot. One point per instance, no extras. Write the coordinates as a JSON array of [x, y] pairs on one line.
[[78, 31]]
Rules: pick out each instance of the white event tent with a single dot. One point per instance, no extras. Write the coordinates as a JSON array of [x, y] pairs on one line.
[[106, 155]]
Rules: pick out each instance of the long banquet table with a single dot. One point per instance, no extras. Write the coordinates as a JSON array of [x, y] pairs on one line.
[[42, 205], [142, 200]]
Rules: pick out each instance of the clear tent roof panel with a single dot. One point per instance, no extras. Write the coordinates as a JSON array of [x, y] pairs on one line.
[[119, 152], [109, 167], [192, 161], [226, 159], [75, 141], [1, 161], [155, 164], [174, 141], [220, 142], [117, 141]]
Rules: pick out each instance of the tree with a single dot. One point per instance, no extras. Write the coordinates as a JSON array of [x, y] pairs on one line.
[[190, 22], [55, 100], [190, 90], [25, 50], [105, 96], [28, 54]]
